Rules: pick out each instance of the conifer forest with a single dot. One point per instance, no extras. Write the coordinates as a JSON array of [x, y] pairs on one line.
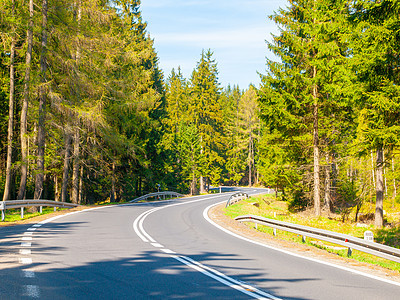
[[86, 113]]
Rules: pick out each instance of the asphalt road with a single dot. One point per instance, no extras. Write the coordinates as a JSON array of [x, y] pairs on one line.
[[165, 250]]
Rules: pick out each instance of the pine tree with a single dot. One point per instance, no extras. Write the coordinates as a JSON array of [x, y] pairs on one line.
[[205, 111], [375, 59], [305, 87]]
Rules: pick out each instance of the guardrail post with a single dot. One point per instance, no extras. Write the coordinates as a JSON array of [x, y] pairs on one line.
[[40, 209], [55, 208], [349, 252], [274, 231], [303, 239], [22, 212], [3, 215]]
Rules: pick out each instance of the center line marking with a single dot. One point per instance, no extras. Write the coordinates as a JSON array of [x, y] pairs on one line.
[[25, 260], [224, 279], [32, 291], [28, 274], [25, 251], [26, 244]]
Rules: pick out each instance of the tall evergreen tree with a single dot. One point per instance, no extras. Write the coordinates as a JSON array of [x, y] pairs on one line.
[[297, 92], [376, 55], [205, 111]]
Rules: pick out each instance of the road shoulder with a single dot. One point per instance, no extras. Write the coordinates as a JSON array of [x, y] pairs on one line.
[[216, 214]]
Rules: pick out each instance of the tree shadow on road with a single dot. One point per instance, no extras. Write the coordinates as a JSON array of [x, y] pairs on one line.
[[151, 274]]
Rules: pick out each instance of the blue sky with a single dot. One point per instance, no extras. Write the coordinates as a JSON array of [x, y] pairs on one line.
[[234, 30]]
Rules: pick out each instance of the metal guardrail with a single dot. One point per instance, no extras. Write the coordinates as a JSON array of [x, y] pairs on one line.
[[161, 195], [345, 240], [12, 204], [236, 198]]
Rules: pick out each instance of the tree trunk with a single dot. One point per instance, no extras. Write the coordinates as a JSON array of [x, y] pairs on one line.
[[379, 188], [80, 198], [202, 185], [193, 189], [24, 110], [113, 190], [327, 199], [372, 168], [7, 187], [42, 107], [67, 157], [394, 183], [75, 170], [56, 196], [317, 201], [333, 186], [249, 156]]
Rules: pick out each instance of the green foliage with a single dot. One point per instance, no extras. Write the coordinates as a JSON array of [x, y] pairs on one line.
[[299, 201]]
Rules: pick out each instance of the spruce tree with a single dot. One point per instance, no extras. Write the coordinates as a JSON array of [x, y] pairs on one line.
[[376, 53], [304, 88], [205, 111]]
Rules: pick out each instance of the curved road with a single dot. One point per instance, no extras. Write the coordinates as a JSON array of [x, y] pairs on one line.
[[162, 250]]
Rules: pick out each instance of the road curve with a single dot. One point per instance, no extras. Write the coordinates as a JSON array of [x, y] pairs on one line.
[[162, 250]]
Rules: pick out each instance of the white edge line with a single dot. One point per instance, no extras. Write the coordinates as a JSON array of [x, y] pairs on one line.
[[205, 215], [226, 277], [238, 286]]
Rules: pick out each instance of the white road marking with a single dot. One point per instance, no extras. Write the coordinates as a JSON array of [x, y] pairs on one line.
[[157, 245], [28, 274], [224, 279], [205, 215], [32, 291], [25, 260], [25, 251], [246, 286], [168, 251]]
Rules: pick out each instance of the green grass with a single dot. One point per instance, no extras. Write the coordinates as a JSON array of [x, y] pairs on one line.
[[270, 208]]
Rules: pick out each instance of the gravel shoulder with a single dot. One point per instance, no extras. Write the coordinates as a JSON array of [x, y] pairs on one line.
[[216, 214]]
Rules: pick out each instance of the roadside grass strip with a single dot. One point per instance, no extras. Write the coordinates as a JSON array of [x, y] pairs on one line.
[[205, 215]]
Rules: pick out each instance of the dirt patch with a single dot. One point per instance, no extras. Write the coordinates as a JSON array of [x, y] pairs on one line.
[[217, 215]]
